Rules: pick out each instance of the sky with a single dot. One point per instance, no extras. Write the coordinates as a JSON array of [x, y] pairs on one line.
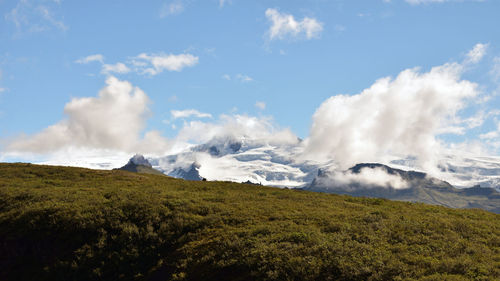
[[354, 79]]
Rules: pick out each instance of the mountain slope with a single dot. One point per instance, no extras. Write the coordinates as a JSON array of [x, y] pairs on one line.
[[60, 223], [419, 188]]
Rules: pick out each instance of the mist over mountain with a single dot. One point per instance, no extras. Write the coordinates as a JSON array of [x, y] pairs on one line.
[[381, 181], [247, 160], [139, 164]]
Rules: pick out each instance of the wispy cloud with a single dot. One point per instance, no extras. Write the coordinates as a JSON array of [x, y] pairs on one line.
[[477, 53], [260, 105], [238, 77], [154, 64], [144, 64], [244, 78], [35, 16], [224, 2], [91, 58], [495, 70], [176, 114], [285, 26], [173, 8], [119, 68], [419, 2]]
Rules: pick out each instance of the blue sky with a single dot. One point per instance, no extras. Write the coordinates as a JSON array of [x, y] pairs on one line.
[[278, 60]]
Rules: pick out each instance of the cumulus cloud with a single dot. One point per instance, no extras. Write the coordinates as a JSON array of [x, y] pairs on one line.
[[285, 26], [31, 16], [113, 120], [119, 67], [189, 113], [401, 116], [154, 64], [477, 53], [262, 130], [91, 58]]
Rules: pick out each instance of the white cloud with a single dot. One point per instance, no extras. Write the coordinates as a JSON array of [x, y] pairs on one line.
[[244, 78], [172, 8], [240, 77], [366, 178], [115, 68], [150, 64], [260, 105], [394, 117], [492, 134], [154, 64], [189, 113], [113, 120], [236, 127], [285, 26], [91, 58], [2, 90], [48, 16], [477, 53], [31, 16]]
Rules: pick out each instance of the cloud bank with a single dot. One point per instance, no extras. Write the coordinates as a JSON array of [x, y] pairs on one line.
[[237, 127], [113, 120], [366, 178], [401, 116]]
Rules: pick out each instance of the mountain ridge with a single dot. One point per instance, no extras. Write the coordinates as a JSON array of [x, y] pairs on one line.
[[421, 188]]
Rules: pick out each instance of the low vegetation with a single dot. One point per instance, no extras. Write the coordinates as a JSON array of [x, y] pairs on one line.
[[60, 223]]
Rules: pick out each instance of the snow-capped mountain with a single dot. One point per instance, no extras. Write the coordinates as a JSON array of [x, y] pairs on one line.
[[282, 165], [241, 160]]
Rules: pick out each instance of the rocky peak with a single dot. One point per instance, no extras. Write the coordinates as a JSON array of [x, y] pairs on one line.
[[138, 159]]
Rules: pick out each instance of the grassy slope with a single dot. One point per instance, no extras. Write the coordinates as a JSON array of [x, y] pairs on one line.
[[59, 223]]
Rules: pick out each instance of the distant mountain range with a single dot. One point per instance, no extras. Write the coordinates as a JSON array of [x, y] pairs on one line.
[[278, 165], [419, 188]]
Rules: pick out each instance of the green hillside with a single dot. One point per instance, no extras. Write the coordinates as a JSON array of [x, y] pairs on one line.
[[60, 223]]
